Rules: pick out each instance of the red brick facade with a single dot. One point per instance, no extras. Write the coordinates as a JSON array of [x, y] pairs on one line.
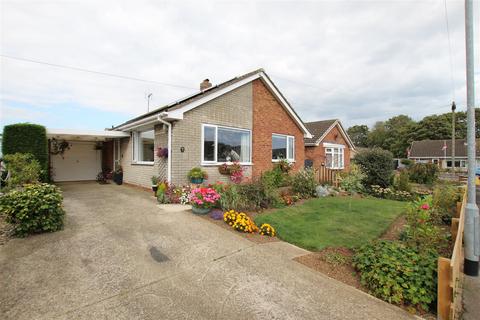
[[270, 117], [317, 154]]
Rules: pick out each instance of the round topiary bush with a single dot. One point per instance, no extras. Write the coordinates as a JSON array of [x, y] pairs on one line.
[[33, 209], [377, 164]]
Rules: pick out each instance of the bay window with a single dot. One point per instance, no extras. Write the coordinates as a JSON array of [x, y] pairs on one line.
[[334, 156], [224, 144], [283, 147], [143, 146]]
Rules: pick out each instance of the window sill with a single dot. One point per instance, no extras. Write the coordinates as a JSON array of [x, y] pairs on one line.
[[143, 163], [217, 164], [279, 160]]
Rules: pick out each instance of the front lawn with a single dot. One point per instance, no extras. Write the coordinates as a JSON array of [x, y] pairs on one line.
[[333, 221]]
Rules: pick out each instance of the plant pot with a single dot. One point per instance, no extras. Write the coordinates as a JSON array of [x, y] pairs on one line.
[[154, 188], [196, 180], [200, 210], [118, 177]]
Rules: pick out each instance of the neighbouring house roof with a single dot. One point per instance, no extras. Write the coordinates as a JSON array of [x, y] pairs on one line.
[[319, 129], [175, 110], [434, 148]]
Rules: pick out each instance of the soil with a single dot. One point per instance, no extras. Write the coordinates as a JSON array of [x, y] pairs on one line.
[[394, 230], [339, 270], [5, 231]]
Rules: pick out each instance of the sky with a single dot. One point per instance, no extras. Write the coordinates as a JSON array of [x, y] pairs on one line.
[[358, 61]]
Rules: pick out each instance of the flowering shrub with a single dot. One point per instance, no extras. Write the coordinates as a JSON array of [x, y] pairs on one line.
[[421, 231], [267, 230], [240, 221], [388, 193], [162, 152], [203, 197], [284, 165]]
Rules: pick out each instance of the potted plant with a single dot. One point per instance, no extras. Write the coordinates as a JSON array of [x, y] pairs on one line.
[[197, 175], [203, 200], [118, 175], [154, 184]]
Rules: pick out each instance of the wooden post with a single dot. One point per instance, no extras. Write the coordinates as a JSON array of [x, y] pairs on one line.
[[459, 208], [444, 290], [454, 228]]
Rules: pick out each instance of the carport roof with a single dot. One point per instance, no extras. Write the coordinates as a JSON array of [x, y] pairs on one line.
[[86, 135]]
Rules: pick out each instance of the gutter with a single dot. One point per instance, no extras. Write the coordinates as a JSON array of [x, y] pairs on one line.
[[169, 144]]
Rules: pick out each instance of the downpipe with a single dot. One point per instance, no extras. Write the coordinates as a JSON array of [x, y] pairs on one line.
[[169, 146]]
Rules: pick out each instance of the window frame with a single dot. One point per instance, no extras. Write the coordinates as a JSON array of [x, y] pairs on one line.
[[287, 137], [136, 153], [334, 148], [215, 162]]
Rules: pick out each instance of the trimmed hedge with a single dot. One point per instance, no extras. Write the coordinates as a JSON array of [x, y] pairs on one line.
[[27, 138]]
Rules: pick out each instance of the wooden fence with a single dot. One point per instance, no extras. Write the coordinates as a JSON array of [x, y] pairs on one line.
[[324, 175], [450, 276]]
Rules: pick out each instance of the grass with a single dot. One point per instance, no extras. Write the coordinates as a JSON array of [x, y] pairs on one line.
[[333, 221]]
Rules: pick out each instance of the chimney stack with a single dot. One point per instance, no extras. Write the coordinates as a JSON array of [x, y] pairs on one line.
[[205, 84]]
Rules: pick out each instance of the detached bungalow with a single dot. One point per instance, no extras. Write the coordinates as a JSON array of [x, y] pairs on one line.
[[330, 145], [245, 119], [440, 152]]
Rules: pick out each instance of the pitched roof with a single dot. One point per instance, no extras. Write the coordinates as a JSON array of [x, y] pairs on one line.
[[212, 92], [318, 129], [434, 148]]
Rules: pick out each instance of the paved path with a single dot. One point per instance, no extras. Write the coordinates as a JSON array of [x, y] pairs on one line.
[[122, 257]]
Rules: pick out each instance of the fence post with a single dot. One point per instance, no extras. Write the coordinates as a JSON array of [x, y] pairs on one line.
[[444, 290]]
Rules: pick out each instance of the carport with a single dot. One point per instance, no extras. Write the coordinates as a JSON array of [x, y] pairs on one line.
[[79, 155]]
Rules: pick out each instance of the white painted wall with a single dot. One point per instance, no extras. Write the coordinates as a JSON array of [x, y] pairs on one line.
[[80, 162]]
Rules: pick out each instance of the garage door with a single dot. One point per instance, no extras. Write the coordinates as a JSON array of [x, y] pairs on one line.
[[80, 162]]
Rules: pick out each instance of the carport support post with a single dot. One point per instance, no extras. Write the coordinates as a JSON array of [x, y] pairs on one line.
[[472, 228], [169, 146]]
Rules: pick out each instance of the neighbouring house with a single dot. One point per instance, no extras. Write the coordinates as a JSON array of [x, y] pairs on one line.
[[330, 146], [245, 119], [440, 152]]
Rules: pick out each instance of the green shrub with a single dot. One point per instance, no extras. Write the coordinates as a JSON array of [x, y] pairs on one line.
[[27, 138], [23, 169], [389, 193], [401, 182], [376, 163], [197, 173], [229, 197], [256, 195], [425, 173], [351, 181], [275, 178], [303, 183], [398, 274], [406, 162], [33, 209], [445, 198]]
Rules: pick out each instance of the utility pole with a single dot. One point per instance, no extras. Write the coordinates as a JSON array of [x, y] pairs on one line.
[[472, 227], [453, 135]]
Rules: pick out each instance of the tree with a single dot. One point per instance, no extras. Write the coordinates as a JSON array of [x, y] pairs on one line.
[[398, 135], [359, 135], [376, 137]]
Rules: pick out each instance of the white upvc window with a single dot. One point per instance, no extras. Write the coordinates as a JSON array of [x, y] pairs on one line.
[[222, 144], [143, 146], [334, 156], [283, 147]]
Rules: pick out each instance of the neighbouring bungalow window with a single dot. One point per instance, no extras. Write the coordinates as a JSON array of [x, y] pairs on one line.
[[283, 147], [224, 144], [334, 158], [458, 163], [143, 146]]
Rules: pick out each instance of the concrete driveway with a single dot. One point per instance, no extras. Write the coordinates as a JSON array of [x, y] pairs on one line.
[[122, 257]]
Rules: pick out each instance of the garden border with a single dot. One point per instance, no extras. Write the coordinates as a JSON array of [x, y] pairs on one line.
[[450, 276]]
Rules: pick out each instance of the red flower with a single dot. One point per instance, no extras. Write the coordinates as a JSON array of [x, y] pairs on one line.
[[425, 206]]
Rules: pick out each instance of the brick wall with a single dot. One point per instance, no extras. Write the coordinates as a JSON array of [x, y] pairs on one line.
[[233, 109], [270, 117], [141, 174], [317, 154]]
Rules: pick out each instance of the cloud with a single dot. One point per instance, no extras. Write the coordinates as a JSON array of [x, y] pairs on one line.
[[360, 61]]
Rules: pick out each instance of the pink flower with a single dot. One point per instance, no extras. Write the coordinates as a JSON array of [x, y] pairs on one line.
[[425, 206]]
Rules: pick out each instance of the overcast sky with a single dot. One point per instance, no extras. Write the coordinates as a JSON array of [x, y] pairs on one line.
[[359, 61]]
